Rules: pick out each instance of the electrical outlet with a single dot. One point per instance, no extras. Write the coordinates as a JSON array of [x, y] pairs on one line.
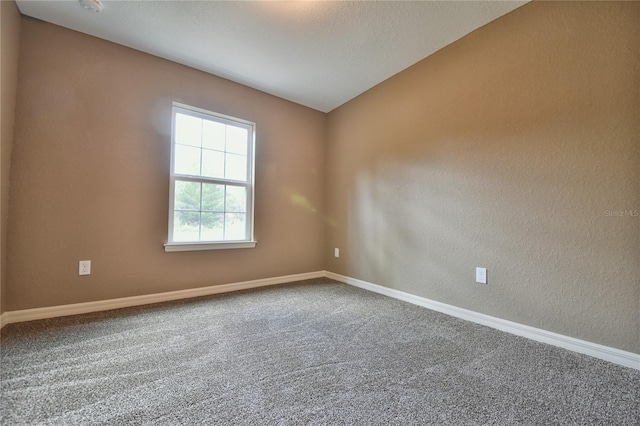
[[84, 267], [336, 252], [481, 275]]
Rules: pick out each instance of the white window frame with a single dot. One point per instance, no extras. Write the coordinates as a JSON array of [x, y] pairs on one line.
[[249, 242]]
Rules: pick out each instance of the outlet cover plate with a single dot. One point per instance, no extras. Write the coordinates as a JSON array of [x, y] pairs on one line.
[[84, 267], [481, 275]]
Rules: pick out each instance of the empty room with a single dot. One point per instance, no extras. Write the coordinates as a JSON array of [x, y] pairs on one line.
[[320, 212]]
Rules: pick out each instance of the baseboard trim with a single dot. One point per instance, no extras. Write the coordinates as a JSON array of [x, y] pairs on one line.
[[616, 356], [125, 302]]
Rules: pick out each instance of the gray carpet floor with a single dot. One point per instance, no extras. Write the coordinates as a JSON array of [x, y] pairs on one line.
[[313, 352]]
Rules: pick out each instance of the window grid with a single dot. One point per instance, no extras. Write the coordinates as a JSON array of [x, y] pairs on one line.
[[246, 215]]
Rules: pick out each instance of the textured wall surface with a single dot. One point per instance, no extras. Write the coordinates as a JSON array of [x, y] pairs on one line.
[[9, 51], [90, 177], [516, 148]]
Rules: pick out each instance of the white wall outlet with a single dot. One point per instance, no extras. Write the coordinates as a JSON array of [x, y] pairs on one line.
[[481, 275], [84, 267], [336, 252]]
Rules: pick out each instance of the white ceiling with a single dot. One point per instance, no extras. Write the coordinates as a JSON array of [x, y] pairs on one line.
[[316, 53]]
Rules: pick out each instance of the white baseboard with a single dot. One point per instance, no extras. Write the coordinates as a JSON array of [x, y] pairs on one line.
[[616, 356], [125, 302]]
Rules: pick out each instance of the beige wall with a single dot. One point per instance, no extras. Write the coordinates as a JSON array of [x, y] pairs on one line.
[[507, 149], [90, 177], [9, 48]]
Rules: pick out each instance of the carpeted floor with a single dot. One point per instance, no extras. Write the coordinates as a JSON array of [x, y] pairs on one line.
[[315, 352]]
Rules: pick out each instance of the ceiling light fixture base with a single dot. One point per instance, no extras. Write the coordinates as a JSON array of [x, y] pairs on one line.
[[92, 5]]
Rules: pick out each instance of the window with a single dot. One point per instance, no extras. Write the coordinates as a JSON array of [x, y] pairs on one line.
[[211, 184]]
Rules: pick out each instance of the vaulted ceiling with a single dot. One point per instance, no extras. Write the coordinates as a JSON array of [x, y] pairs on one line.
[[316, 53]]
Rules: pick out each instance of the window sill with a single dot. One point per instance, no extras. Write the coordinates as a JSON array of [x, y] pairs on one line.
[[171, 247]]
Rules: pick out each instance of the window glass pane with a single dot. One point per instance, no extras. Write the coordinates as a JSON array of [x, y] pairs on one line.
[[212, 163], [186, 226], [211, 176], [237, 140], [236, 199], [212, 197], [213, 135], [187, 160], [186, 195], [235, 226], [236, 167], [188, 130], [212, 226]]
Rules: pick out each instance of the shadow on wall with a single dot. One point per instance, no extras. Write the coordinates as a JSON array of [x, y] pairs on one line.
[[510, 154]]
